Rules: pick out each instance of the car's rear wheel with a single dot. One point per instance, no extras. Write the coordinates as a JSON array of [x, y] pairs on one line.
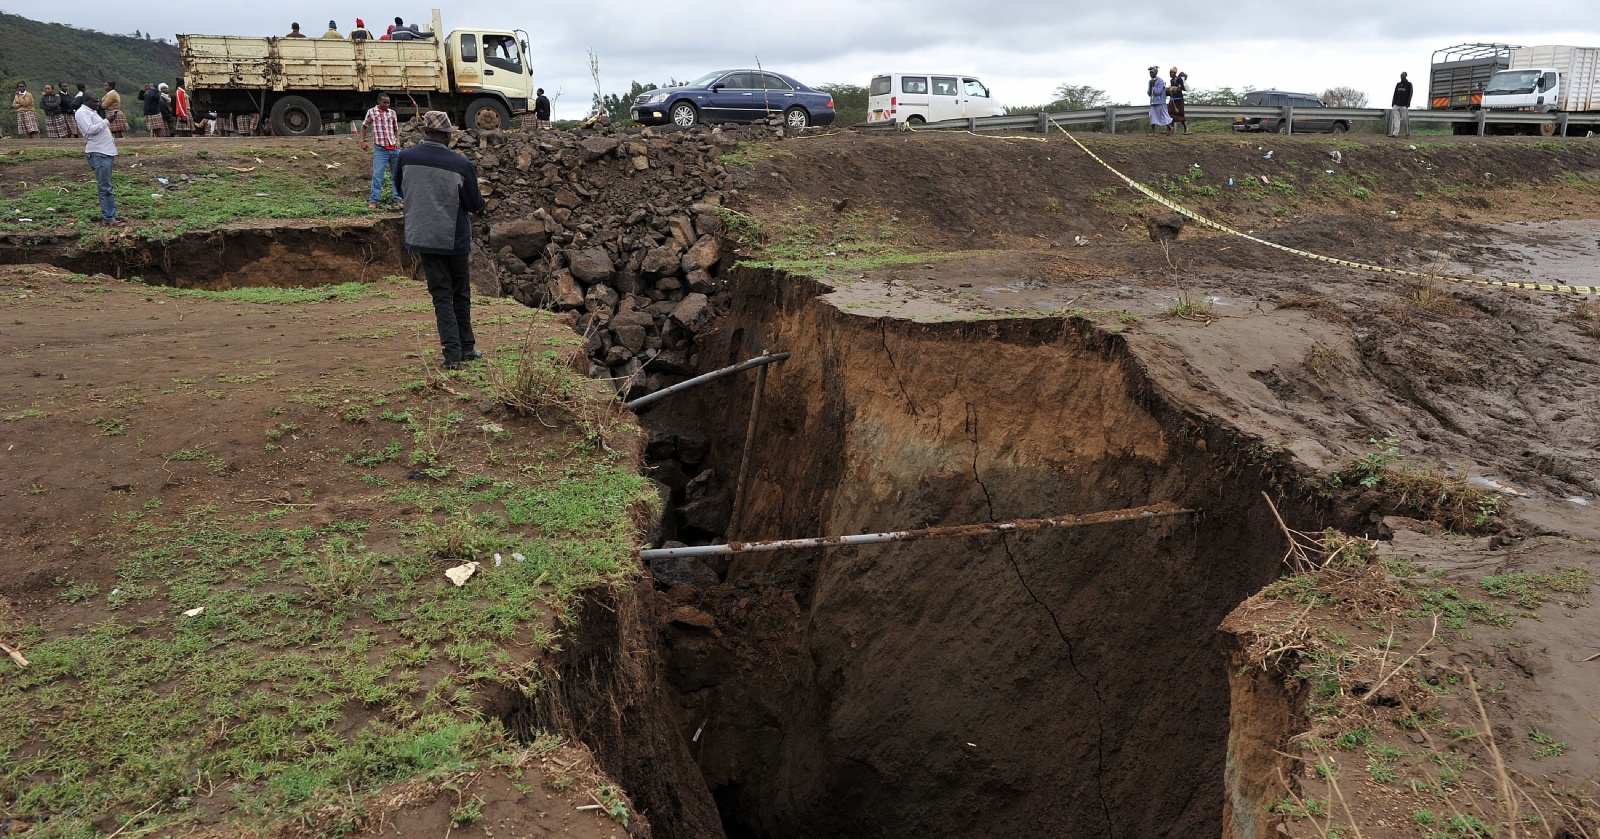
[[1283, 127], [796, 118], [1338, 128], [684, 115]]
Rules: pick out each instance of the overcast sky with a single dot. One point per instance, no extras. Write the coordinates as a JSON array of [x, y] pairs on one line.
[[1022, 49]]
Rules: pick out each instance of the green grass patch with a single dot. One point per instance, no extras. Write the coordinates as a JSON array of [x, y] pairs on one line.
[[749, 154], [199, 203], [273, 295]]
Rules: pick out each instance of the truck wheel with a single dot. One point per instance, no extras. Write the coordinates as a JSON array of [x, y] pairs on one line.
[[1338, 128], [796, 118], [487, 115], [1547, 129], [684, 115], [295, 116]]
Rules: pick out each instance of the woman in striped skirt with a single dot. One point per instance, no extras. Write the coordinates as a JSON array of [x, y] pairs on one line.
[[111, 103], [27, 120], [55, 115]]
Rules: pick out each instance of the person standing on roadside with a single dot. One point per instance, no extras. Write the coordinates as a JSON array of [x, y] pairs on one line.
[[1177, 85], [541, 110], [27, 120], [111, 109], [443, 186], [101, 150], [55, 113], [183, 122], [154, 121], [384, 126], [1400, 109], [1157, 89]]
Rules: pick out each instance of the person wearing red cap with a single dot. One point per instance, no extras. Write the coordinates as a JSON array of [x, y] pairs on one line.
[[360, 33]]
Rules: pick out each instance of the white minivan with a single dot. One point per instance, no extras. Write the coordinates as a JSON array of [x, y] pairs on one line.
[[928, 97]]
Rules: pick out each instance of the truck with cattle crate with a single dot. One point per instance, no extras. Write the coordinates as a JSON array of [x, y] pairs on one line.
[[480, 77]]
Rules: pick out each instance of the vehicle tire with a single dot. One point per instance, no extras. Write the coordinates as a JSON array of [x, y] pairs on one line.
[[486, 115], [1547, 129], [1338, 128], [295, 116], [1283, 127], [916, 119], [796, 117], [684, 115]]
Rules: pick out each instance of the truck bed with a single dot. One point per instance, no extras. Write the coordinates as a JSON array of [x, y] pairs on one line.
[[229, 62]]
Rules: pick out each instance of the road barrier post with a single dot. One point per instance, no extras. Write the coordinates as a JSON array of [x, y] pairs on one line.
[[1111, 120]]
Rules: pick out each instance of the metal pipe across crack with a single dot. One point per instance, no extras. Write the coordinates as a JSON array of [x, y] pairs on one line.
[[1151, 511], [702, 379]]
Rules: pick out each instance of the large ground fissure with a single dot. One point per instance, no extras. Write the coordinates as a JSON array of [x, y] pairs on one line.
[[1066, 681]]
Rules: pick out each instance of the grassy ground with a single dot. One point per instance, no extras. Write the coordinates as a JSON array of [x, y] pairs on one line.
[[255, 657]]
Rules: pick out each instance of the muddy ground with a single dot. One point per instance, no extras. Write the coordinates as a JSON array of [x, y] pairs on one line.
[[1302, 365]]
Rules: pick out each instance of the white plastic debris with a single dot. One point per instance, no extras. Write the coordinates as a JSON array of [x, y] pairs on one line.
[[519, 557], [497, 560], [462, 573], [163, 181], [1337, 157], [491, 427], [1580, 501], [195, 612]]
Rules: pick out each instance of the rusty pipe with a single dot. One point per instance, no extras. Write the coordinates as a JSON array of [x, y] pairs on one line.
[[1151, 511], [702, 379]]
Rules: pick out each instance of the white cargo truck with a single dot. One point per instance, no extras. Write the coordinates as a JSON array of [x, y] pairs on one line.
[[478, 76], [1549, 80]]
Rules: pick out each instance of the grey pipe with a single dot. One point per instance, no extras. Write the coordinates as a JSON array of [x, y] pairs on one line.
[[702, 379], [1151, 511]]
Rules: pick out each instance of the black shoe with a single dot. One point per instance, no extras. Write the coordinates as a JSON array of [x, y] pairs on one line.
[[452, 365], [472, 355]]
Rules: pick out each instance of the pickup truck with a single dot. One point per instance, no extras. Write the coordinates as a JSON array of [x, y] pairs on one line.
[[478, 76]]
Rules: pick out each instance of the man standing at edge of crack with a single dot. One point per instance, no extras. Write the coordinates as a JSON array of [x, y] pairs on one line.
[[441, 188]]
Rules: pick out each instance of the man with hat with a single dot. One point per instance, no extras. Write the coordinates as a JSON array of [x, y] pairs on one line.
[[441, 188]]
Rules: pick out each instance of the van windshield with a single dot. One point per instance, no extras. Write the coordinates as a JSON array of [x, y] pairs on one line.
[[1512, 82]]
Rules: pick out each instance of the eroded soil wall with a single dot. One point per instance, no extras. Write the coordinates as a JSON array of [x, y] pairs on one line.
[[283, 254], [1068, 683]]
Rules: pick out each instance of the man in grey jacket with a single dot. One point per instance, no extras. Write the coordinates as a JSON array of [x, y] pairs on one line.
[[441, 188]]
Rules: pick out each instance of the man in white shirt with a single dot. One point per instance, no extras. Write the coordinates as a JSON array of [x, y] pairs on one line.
[[101, 150]]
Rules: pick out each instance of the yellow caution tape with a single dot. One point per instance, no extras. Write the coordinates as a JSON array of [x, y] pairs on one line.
[[1360, 266]]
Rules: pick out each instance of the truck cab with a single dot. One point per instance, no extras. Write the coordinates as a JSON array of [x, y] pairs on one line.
[[1536, 89], [493, 62]]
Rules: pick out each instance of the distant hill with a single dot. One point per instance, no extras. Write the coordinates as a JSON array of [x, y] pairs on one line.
[[51, 52]]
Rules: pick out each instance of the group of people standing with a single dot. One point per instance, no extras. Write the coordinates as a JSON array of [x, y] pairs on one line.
[[397, 31], [1166, 99], [165, 113]]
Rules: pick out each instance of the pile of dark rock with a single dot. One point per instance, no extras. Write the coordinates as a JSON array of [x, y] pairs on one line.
[[622, 228]]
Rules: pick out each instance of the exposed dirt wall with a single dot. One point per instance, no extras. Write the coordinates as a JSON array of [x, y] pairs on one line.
[[980, 687]]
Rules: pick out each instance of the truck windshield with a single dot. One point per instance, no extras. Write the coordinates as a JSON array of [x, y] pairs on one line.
[[1512, 82]]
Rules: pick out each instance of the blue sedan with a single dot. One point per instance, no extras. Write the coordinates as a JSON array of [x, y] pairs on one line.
[[735, 96]]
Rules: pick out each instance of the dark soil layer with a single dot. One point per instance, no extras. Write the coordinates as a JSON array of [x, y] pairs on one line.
[[283, 254], [907, 689]]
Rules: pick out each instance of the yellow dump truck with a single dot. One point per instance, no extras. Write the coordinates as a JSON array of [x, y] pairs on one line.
[[297, 85]]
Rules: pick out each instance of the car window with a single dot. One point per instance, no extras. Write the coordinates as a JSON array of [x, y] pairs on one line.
[[1306, 102], [501, 51], [975, 88], [469, 47], [914, 84], [776, 82], [735, 81], [881, 86], [1275, 100], [943, 86]]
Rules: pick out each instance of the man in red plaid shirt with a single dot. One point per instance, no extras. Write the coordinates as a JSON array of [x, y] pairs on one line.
[[385, 129]]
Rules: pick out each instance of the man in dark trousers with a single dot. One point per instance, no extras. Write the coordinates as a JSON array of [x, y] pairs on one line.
[[1400, 109], [441, 188]]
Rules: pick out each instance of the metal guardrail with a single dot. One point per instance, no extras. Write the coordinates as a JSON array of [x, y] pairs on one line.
[[1107, 118]]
